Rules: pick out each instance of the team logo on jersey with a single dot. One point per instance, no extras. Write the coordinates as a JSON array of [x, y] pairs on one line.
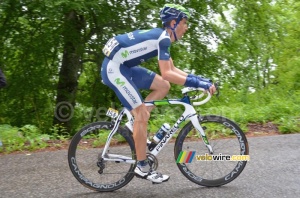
[[130, 36], [126, 90], [125, 53], [119, 82], [110, 71]]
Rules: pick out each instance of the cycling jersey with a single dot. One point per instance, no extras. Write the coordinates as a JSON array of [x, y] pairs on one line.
[[135, 47], [120, 70]]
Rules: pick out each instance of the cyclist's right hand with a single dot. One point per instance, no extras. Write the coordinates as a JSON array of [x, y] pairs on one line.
[[212, 89], [193, 81], [201, 78]]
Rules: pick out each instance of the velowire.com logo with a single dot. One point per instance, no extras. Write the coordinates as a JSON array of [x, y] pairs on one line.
[[189, 156]]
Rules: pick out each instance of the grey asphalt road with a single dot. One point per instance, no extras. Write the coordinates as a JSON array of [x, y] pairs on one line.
[[272, 172]]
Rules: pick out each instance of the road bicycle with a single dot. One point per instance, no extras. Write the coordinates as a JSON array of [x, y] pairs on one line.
[[203, 140]]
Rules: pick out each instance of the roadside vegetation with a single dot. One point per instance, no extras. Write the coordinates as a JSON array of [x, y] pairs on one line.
[[50, 53]]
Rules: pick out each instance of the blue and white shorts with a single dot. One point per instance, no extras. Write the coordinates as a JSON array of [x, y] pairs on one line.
[[126, 81]]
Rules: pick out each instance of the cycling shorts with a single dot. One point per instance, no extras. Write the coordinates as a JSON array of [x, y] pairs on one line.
[[126, 81]]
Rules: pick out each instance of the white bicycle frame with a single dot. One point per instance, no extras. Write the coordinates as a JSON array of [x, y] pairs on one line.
[[189, 113]]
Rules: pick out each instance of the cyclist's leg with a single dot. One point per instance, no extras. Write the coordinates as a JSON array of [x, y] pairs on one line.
[[146, 79], [118, 77], [141, 117], [143, 168]]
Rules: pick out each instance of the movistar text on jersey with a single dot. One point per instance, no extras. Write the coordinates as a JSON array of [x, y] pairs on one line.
[[130, 94], [138, 50]]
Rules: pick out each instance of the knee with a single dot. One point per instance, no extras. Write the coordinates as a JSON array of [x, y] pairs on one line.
[[141, 114], [165, 86]]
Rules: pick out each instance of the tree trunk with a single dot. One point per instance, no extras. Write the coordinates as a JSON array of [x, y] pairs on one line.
[[69, 71]]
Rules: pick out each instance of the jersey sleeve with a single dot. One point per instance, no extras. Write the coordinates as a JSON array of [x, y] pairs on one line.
[[164, 49]]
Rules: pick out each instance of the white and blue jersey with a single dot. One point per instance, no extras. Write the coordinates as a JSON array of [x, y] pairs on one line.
[[120, 69], [133, 48]]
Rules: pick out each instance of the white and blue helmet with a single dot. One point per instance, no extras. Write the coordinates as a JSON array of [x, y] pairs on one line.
[[173, 11]]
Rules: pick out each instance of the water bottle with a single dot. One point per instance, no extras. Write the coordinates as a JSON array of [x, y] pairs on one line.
[[158, 136], [161, 132]]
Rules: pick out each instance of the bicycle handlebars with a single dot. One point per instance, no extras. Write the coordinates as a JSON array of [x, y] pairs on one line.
[[196, 97]]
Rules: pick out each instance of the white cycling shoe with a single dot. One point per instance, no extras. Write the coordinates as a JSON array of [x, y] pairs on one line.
[[153, 176]]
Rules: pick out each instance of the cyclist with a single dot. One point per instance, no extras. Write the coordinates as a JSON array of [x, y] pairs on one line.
[[122, 73]]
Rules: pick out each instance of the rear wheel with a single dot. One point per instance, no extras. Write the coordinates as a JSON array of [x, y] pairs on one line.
[[226, 139], [87, 165]]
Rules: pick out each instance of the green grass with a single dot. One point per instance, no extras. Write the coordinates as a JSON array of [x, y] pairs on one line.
[[28, 137]]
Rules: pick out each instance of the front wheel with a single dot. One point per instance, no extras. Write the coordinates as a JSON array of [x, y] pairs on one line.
[[88, 166], [229, 157]]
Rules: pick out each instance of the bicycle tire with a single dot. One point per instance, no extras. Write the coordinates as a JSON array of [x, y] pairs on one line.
[[84, 157], [220, 131]]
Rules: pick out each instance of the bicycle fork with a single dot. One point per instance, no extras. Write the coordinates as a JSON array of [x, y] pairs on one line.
[[195, 121]]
